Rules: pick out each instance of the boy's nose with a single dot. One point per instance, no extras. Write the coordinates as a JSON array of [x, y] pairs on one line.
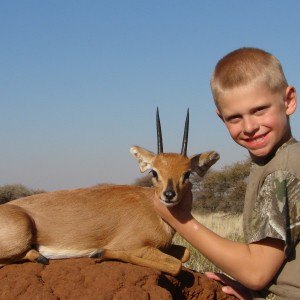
[[250, 125]]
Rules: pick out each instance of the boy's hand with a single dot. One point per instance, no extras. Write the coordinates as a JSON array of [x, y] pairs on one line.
[[231, 287]]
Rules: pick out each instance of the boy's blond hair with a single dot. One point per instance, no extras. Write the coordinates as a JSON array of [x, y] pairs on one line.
[[244, 66]]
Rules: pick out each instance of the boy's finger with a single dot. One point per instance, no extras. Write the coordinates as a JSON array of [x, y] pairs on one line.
[[214, 276]]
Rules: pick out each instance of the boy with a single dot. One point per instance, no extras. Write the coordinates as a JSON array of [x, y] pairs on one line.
[[254, 101]]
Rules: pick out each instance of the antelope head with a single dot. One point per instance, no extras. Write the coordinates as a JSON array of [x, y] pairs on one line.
[[171, 171]]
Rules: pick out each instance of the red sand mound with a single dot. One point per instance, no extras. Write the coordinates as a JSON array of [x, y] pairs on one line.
[[87, 279]]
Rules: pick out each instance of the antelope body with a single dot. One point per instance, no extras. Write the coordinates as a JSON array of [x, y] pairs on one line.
[[109, 222]]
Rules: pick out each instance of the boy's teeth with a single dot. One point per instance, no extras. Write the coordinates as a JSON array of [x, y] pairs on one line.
[[257, 139]]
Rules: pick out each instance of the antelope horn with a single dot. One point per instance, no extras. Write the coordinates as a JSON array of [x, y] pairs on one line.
[[185, 135], [159, 136]]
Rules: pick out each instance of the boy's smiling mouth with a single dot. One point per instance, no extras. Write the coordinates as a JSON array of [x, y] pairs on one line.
[[256, 142], [257, 139]]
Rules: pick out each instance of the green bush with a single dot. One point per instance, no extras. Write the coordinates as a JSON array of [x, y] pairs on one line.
[[223, 190], [145, 181], [11, 192]]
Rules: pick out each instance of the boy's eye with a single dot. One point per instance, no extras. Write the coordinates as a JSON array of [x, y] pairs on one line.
[[260, 110], [233, 119]]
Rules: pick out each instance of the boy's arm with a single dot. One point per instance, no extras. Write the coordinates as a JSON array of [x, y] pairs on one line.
[[253, 265]]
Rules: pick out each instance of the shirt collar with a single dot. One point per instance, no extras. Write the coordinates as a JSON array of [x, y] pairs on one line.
[[265, 160]]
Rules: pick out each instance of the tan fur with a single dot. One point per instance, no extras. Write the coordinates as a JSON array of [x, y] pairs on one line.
[[110, 222]]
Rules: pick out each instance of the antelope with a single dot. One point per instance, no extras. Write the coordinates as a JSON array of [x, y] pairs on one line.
[[111, 222]]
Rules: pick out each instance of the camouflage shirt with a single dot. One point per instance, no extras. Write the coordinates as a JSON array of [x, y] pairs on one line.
[[272, 209]]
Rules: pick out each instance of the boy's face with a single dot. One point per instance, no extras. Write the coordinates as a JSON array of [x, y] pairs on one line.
[[257, 118]]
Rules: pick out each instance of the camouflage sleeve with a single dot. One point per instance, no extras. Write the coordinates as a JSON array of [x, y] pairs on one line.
[[277, 209]]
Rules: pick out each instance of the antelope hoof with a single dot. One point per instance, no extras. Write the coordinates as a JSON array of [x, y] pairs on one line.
[[42, 260], [97, 254]]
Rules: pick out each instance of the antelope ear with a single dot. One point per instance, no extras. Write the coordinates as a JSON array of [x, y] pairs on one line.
[[144, 157], [202, 162]]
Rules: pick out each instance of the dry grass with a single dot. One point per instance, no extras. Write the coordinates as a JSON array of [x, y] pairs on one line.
[[227, 226]]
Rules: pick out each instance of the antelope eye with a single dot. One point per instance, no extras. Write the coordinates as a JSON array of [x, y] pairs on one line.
[[154, 174], [186, 176]]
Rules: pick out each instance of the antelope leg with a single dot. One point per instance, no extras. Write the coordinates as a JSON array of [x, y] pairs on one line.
[[147, 257], [180, 252]]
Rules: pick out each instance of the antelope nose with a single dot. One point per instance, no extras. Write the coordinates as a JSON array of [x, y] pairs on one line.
[[169, 194]]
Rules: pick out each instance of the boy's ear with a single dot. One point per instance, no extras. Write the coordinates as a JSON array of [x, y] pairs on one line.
[[219, 115], [144, 157], [290, 100]]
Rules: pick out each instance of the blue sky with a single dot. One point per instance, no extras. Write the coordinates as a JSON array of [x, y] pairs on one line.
[[80, 81]]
